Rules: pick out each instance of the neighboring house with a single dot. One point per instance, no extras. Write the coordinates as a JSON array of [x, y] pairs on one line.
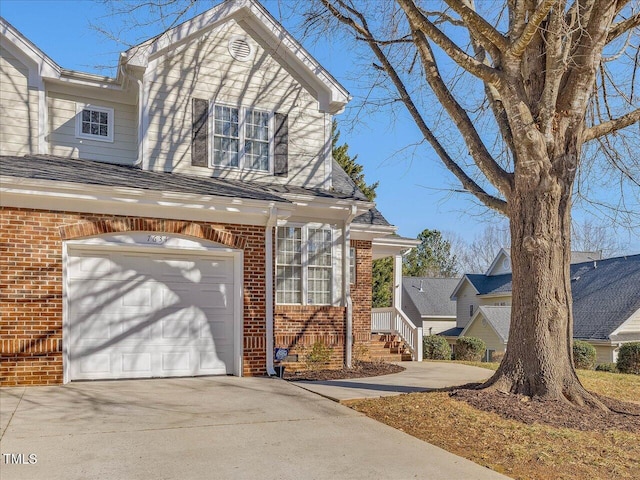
[[606, 306], [427, 302], [183, 218]]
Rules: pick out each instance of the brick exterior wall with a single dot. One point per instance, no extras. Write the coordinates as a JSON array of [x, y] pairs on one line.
[[31, 285], [299, 327], [361, 298]]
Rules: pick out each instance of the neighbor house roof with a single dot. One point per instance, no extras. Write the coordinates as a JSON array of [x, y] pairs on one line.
[[498, 319], [605, 294], [431, 296]]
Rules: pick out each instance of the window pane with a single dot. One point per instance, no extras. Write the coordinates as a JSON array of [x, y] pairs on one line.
[[289, 265], [86, 115], [225, 136], [257, 140]]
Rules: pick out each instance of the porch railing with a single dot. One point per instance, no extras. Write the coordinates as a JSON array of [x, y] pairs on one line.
[[394, 321]]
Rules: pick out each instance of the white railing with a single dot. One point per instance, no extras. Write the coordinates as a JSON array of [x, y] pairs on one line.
[[394, 321]]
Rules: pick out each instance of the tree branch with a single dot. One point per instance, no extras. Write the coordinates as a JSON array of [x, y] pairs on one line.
[[612, 125], [520, 44], [623, 27], [477, 24], [470, 64], [467, 182]]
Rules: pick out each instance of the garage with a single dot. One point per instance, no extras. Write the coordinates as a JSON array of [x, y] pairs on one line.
[[150, 312]]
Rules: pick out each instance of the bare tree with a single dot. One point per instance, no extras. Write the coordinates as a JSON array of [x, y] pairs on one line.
[[589, 236], [477, 255], [557, 78]]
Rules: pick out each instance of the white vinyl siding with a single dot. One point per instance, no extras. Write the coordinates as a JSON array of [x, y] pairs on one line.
[[18, 108], [465, 298], [482, 330], [207, 70], [63, 112]]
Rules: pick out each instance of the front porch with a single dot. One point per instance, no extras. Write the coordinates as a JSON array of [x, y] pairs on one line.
[[390, 326]]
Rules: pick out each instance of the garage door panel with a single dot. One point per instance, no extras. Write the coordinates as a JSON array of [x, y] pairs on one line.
[[148, 315]]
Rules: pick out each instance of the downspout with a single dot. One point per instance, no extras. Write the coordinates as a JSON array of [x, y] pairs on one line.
[[268, 242], [346, 244], [139, 162]]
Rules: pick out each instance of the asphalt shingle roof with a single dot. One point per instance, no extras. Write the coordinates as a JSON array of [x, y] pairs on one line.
[[499, 318], [55, 168], [434, 299], [605, 293]]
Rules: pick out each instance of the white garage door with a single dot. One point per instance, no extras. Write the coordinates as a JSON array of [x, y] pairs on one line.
[[137, 315]]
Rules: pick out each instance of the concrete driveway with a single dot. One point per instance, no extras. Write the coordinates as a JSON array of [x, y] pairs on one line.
[[205, 428]]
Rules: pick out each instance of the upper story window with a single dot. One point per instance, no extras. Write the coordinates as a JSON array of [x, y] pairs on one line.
[[94, 123], [304, 265], [242, 138]]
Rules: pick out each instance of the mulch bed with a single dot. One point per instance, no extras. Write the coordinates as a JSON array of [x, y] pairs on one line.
[[359, 370], [624, 416]]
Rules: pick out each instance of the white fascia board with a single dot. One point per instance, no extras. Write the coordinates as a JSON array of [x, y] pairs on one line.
[[495, 260], [448, 317], [624, 327], [391, 246], [73, 197], [46, 67], [495, 295], [459, 286]]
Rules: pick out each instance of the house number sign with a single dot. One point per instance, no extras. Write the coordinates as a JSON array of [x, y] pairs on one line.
[[157, 239]]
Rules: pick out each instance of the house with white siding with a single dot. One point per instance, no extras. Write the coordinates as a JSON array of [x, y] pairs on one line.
[[184, 217]]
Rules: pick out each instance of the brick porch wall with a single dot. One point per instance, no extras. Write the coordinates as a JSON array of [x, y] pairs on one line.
[[31, 285], [298, 328], [361, 297]]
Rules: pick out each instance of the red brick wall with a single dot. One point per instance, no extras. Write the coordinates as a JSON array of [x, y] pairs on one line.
[[361, 297], [31, 285], [298, 328]]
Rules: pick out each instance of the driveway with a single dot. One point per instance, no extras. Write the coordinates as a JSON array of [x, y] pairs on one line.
[[207, 427]]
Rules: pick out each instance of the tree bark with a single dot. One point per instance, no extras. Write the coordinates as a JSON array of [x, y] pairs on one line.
[[539, 358]]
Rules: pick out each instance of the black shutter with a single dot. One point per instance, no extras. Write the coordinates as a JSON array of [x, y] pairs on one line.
[[281, 141], [199, 147]]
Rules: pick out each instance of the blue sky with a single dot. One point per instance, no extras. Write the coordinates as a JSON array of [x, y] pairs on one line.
[[413, 187]]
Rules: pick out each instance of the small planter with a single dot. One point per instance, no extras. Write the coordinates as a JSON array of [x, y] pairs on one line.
[[279, 371]]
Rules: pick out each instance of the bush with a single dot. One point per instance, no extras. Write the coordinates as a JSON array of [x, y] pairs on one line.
[[607, 367], [497, 357], [470, 349], [318, 357], [629, 358], [436, 347], [584, 355]]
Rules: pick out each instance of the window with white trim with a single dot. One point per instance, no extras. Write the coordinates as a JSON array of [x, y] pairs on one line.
[[304, 265], [94, 123], [242, 138]]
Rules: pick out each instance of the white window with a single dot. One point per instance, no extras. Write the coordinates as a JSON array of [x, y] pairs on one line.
[[242, 138], [304, 266], [94, 123], [352, 265]]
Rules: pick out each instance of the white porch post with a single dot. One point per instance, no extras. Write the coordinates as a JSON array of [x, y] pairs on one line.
[[397, 282]]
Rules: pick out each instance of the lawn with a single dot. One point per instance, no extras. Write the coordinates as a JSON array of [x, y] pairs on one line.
[[518, 450]]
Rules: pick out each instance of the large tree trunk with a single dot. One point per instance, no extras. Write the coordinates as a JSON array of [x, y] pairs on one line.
[[539, 357]]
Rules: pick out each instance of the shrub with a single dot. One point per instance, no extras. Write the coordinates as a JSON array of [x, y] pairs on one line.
[[584, 355], [436, 347], [629, 358], [318, 357], [470, 349], [607, 367], [497, 357]]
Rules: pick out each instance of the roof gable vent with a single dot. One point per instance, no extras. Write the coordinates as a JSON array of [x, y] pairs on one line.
[[240, 49]]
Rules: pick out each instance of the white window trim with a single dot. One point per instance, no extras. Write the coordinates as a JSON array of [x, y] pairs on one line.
[[241, 138], [304, 235], [353, 265], [87, 136]]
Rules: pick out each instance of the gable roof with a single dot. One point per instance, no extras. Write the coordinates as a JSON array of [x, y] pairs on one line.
[[498, 318], [331, 95], [434, 299], [576, 257]]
